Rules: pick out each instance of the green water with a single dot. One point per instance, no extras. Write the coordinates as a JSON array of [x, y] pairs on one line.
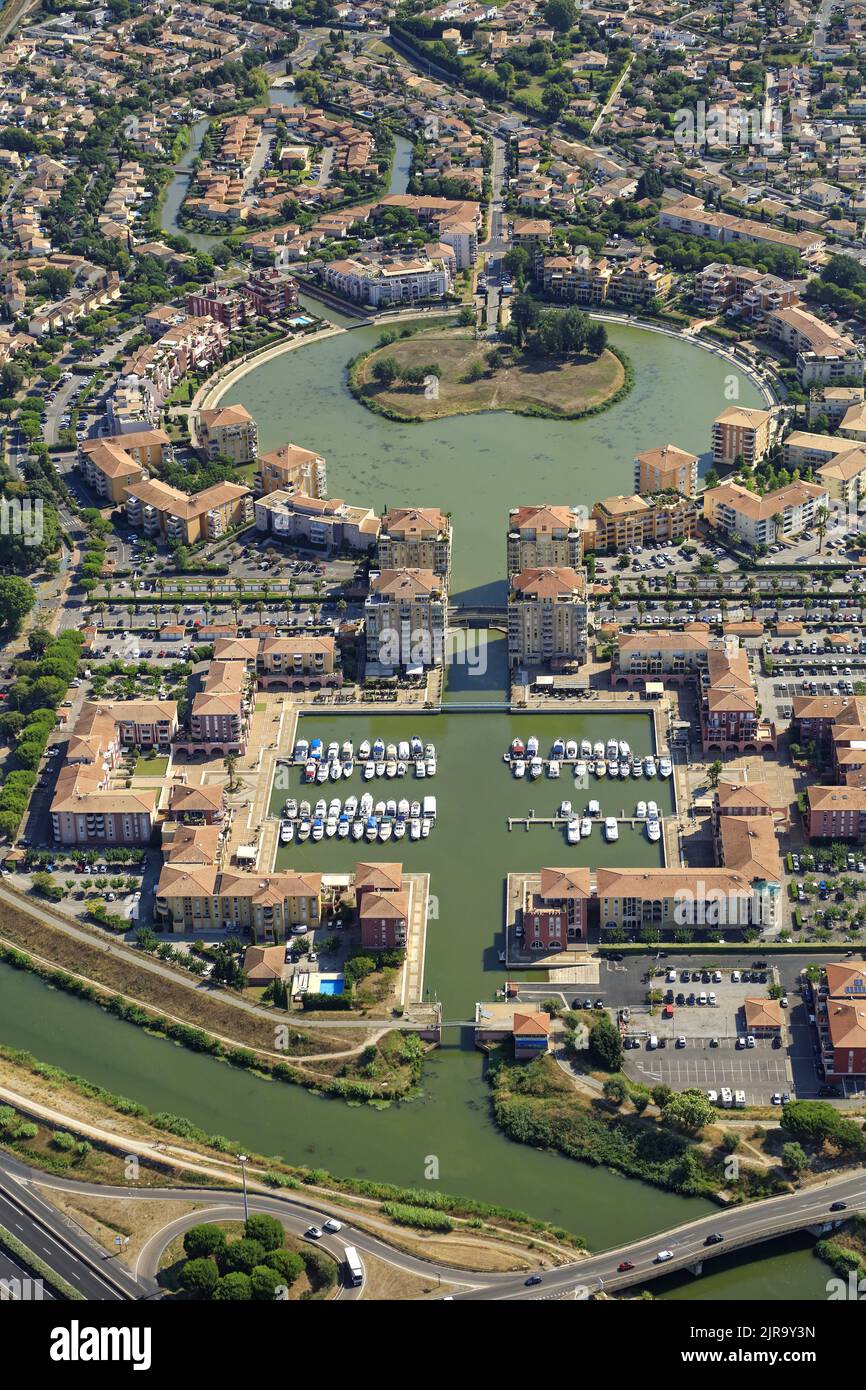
[[471, 850], [478, 466]]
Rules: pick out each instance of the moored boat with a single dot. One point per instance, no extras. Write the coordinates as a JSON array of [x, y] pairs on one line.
[[611, 829], [572, 831]]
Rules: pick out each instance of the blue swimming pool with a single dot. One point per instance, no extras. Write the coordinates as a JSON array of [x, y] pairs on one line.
[[331, 986]]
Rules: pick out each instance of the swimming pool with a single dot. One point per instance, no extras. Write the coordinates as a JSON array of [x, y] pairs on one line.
[[334, 985]]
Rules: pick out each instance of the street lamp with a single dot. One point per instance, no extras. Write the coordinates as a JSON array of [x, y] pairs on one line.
[[243, 1161]]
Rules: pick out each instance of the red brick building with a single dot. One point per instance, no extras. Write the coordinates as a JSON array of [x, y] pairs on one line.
[[556, 915], [382, 906], [840, 1014]]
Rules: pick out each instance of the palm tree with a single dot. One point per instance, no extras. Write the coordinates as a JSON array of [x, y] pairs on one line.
[[230, 763], [822, 516], [778, 521]]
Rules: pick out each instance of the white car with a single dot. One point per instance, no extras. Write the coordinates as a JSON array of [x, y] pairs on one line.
[[663, 1256], [313, 1233], [777, 1098], [750, 1041], [332, 1225]]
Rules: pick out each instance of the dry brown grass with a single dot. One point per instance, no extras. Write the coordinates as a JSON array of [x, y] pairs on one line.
[[558, 387], [385, 1283], [103, 1218]]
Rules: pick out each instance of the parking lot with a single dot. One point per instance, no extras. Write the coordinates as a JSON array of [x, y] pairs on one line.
[[760, 1071]]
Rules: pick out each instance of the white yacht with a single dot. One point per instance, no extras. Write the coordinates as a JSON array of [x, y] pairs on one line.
[[304, 810], [420, 767], [665, 767], [391, 753], [416, 746], [580, 768], [536, 767], [653, 830], [391, 808], [391, 768], [518, 767], [649, 767], [369, 771], [335, 771], [415, 828], [378, 750], [364, 750], [365, 805], [641, 810], [318, 828], [637, 769], [401, 769], [426, 827], [531, 746], [290, 810], [585, 748], [304, 829], [372, 828], [287, 831], [624, 749], [429, 751], [571, 750], [380, 766], [652, 810], [601, 768], [564, 812], [403, 808], [333, 751], [611, 829], [350, 806], [558, 749], [342, 828], [399, 829], [613, 768], [321, 809], [331, 826], [594, 808], [415, 809], [598, 749], [553, 768], [403, 750], [624, 768], [612, 749], [348, 750], [585, 827], [348, 767], [430, 767], [357, 829], [379, 810], [572, 832], [302, 750]]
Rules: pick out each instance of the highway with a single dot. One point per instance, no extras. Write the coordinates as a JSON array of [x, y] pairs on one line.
[[99, 1277]]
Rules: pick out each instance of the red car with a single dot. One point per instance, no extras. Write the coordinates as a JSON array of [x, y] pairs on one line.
[[624, 1267]]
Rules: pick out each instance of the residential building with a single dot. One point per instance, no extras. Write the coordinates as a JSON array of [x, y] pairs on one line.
[[383, 280], [416, 538], [672, 898], [667, 656], [739, 290], [228, 432], [297, 662], [554, 914], [692, 218], [218, 302], [324, 523], [823, 355], [741, 433], [108, 470], [270, 293], [840, 1017], [784, 513], [547, 617], [167, 513], [291, 469], [381, 905], [624, 521], [204, 898], [544, 537], [836, 813], [531, 1033], [405, 619], [640, 280], [667, 469], [729, 706]]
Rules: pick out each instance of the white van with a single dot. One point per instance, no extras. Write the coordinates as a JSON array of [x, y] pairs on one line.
[[653, 1042], [672, 975], [727, 1097], [740, 1099], [702, 997]]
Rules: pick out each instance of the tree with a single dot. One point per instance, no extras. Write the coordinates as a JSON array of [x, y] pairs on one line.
[[516, 261], [287, 1263], [822, 516], [16, 600], [714, 773], [615, 1090], [524, 315], [199, 1277], [605, 1045], [43, 886], [264, 1283], [235, 1288], [267, 1230], [241, 1256], [795, 1158], [203, 1240], [688, 1110], [561, 15], [230, 763], [386, 371]]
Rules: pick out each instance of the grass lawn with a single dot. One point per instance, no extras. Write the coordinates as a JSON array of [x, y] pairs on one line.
[[151, 767], [564, 388]]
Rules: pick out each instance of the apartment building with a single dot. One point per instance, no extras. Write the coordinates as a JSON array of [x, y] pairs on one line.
[[297, 663], [291, 469], [168, 514], [202, 804], [741, 433], [381, 906], [640, 280], [416, 538], [555, 909], [84, 812], [193, 897], [786, 512], [823, 355], [624, 521], [740, 290], [840, 1018], [405, 620], [801, 449], [220, 711], [580, 279], [547, 618], [544, 537], [667, 469], [667, 656], [835, 402], [814, 717], [218, 302], [837, 813], [108, 470], [270, 293], [228, 432], [693, 898], [692, 218], [379, 281], [328, 524], [729, 706]]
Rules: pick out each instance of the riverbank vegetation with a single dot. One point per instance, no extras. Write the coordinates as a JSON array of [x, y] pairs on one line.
[[439, 373], [85, 1106], [536, 1103]]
